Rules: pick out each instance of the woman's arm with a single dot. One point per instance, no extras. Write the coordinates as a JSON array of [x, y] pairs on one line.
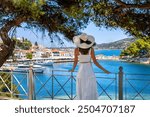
[[96, 63], [76, 53]]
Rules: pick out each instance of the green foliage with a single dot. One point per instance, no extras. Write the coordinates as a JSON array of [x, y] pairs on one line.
[[139, 48], [28, 5], [62, 16], [3, 89], [24, 44], [132, 16], [29, 55], [69, 16]]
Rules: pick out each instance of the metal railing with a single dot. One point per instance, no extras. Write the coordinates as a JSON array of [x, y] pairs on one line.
[[59, 79], [61, 84], [13, 85], [137, 86]]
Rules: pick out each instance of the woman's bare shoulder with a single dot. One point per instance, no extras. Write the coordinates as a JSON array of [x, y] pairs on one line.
[[76, 50], [92, 49]]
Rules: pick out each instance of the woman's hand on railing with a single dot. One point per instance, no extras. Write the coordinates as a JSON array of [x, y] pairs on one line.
[[71, 70], [107, 72]]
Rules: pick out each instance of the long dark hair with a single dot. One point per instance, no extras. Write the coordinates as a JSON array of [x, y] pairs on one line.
[[85, 51]]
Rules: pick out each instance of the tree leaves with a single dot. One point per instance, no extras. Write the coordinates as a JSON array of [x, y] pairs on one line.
[[132, 16], [138, 48]]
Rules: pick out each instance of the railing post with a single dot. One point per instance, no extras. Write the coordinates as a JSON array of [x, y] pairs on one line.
[[120, 83], [71, 85], [12, 83], [52, 84], [31, 84]]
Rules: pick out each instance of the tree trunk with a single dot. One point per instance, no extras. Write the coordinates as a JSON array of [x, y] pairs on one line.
[[8, 45], [6, 52]]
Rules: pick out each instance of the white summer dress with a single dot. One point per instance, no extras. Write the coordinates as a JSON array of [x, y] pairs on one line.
[[86, 86]]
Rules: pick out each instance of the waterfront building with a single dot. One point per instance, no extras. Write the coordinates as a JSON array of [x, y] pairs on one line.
[[21, 54], [55, 52]]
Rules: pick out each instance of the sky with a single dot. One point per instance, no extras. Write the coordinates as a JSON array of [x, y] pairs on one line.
[[102, 35]]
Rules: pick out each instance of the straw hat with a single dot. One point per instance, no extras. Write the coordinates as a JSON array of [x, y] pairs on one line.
[[84, 41]]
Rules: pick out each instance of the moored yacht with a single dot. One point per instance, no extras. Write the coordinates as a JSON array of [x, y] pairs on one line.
[[44, 63], [25, 68]]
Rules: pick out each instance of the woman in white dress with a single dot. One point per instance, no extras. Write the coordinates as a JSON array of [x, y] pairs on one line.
[[86, 86]]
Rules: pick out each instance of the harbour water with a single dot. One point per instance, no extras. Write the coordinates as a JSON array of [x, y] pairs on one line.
[[61, 84], [108, 52]]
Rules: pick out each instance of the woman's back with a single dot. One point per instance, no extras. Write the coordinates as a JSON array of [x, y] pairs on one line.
[[86, 80], [84, 57]]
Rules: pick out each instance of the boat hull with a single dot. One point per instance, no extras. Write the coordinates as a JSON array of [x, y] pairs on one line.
[[27, 70]]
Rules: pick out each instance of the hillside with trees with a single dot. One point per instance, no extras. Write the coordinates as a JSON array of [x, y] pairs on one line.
[[120, 44], [139, 48], [23, 43]]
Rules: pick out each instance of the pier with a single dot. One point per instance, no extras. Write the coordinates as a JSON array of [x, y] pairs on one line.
[[53, 59], [58, 59]]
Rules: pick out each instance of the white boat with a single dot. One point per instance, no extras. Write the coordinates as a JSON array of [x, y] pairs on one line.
[[25, 68], [7, 68], [44, 63]]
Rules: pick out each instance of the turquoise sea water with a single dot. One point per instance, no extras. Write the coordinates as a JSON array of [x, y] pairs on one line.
[[136, 84], [108, 52]]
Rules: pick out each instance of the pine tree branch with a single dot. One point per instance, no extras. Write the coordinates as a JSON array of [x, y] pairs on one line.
[[140, 6], [7, 27]]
